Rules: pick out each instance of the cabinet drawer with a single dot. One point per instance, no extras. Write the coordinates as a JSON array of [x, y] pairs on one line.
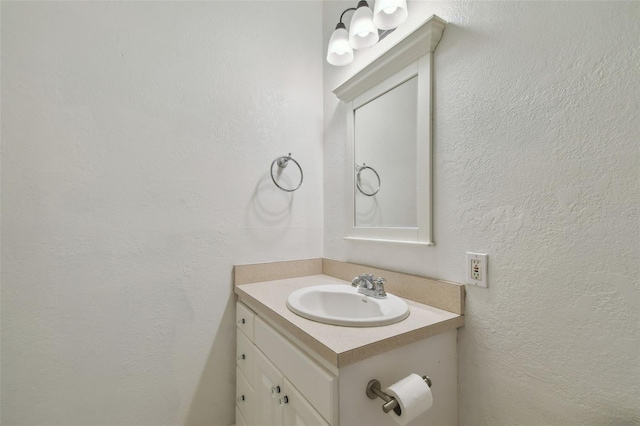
[[246, 357], [245, 319], [316, 384], [245, 399]]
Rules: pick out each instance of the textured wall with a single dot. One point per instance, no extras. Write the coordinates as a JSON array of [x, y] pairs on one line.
[[536, 160], [136, 142]]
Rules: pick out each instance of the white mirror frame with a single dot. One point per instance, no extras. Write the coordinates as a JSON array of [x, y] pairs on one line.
[[412, 56]]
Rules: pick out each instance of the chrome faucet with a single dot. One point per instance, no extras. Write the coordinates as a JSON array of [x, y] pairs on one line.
[[369, 286]]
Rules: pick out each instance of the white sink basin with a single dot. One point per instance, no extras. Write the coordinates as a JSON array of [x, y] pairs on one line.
[[338, 304]]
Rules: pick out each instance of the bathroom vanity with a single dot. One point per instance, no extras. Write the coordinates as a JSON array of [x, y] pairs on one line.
[[294, 371]]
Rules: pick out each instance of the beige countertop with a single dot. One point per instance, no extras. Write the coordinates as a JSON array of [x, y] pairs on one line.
[[339, 345]]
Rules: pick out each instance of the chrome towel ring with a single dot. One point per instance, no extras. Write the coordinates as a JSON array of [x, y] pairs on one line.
[[282, 162], [360, 169]]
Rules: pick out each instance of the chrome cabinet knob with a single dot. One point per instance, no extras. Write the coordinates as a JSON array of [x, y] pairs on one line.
[[283, 400]]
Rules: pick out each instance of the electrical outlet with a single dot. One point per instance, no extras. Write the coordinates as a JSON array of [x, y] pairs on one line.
[[476, 269]]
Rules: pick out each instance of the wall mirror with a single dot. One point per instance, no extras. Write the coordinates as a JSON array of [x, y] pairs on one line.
[[389, 135]]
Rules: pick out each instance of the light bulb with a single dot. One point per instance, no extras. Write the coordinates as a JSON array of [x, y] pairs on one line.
[[363, 34], [389, 14], [339, 52]]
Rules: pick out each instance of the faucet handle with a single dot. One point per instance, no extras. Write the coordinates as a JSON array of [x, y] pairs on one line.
[[378, 287], [357, 280], [360, 278]]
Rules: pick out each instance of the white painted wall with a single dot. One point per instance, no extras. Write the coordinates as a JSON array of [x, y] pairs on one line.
[[536, 160], [136, 143]]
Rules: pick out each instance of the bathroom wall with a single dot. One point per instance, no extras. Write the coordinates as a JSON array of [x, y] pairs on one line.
[[536, 162], [136, 144]]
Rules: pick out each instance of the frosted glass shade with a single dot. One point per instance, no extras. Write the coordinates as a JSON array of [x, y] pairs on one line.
[[339, 52], [362, 32], [389, 14]]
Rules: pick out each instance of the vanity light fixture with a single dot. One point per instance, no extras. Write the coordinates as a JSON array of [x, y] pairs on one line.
[[364, 29]]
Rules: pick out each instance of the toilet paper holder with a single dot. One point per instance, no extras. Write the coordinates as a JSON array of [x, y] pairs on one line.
[[374, 390]]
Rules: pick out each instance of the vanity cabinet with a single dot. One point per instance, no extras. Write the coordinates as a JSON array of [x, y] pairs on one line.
[[279, 383], [265, 395]]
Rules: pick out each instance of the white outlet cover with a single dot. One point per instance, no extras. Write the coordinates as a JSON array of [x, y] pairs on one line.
[[476, 270]]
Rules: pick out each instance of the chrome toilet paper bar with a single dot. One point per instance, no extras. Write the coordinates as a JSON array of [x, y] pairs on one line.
[[374, 390]]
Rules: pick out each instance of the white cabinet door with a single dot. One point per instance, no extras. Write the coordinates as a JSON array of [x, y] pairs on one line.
[[269, 385], [297, 410]]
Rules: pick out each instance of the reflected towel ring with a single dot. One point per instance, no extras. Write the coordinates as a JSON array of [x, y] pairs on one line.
[[283, 161], [360, 169]]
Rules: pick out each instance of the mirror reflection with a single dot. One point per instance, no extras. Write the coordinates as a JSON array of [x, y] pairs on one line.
[[385, 134]]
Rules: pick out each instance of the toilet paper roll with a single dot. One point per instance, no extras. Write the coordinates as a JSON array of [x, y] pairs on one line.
[[414, 397]]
